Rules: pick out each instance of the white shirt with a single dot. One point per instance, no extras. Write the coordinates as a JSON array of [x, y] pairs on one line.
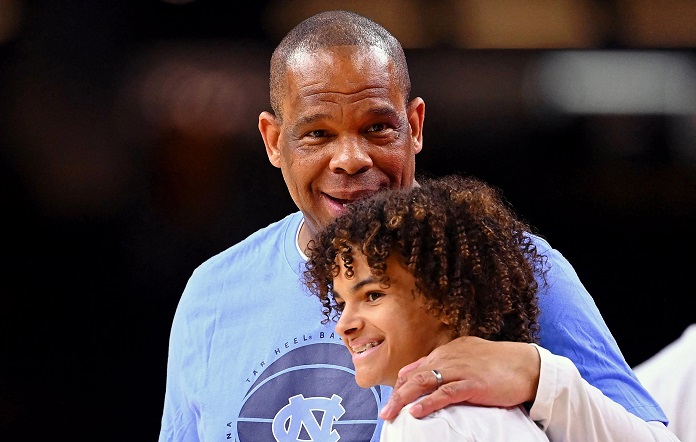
[[670, 376], [567, 408], [464, 422]]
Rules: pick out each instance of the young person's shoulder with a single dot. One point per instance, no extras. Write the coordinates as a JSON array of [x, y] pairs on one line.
[[465, 422]]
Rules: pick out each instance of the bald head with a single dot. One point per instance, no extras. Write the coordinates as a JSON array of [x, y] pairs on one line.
[[330, 29]]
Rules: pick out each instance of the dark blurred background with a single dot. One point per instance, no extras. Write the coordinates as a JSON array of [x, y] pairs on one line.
[[130, 153]]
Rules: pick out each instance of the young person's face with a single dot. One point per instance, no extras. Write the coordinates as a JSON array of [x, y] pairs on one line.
[[384, 328], [346, 131]]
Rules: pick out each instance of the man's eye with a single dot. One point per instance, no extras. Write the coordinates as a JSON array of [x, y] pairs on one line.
[[317, 134], [377, 127], [339, 306]]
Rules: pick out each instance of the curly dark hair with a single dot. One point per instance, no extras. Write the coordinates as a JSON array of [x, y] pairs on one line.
[[473, 258]]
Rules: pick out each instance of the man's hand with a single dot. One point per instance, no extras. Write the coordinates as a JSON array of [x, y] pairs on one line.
[[474, 370]]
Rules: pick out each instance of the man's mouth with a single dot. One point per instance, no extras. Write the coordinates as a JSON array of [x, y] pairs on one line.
[[342, 202], [345, 198]]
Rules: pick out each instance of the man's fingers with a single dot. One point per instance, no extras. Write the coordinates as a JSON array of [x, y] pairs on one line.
[[445, 395], [407, 390], [403, 373]]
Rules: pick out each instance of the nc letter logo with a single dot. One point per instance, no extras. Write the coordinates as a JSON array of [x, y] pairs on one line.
[[310, 418]]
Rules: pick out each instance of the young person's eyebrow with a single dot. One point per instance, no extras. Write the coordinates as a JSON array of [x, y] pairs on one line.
[[355, 286], [358, 285]]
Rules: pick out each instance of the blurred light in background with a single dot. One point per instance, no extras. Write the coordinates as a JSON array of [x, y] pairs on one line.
[[10, 19], [512, 24], [656, 23], [617, 82]]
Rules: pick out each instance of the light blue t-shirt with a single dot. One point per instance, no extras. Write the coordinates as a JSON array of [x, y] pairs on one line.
[[250, 361]]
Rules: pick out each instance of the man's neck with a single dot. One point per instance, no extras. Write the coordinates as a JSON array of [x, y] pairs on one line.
[[303, 238]]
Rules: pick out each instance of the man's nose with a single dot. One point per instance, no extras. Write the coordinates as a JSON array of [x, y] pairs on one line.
[[351, 157]]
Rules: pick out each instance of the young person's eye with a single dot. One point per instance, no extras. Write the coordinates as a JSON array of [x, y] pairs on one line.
[[373, 296]]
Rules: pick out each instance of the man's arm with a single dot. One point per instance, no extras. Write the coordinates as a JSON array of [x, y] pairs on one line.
[[492, 373], [179, 423], [474, 370]]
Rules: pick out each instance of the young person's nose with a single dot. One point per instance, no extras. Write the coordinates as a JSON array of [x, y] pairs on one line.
[[349, 322], [350, 157]]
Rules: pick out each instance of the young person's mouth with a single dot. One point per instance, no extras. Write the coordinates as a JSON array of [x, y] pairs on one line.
[[363, 348]]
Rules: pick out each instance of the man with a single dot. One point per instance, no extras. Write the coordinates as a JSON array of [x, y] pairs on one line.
[[249, 359]]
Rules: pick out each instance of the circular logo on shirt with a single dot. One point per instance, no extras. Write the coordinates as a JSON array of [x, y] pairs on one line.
[[310, 394]]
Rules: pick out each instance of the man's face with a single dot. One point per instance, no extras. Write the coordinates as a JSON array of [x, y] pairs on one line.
[[385, 328], [346, 131]]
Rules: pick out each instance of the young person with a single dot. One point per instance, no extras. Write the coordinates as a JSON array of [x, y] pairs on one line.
[[407, 271], [248, 356]]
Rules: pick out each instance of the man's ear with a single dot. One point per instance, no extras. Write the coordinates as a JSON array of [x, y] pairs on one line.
[[270, 132], [416, 116]]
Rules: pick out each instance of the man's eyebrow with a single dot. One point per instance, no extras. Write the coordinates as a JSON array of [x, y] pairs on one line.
[[386, 111], [383, 110], [309, 119]]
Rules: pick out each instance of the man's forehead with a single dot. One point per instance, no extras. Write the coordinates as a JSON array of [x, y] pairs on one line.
[[320, 77], [302, 56]]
